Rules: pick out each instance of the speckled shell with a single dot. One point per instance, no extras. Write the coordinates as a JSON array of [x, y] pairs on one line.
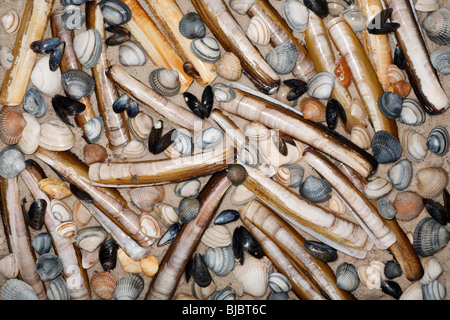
[[56, 136], [296, 15], [55, 188], [401, 174], [412, 113], [11, 21], [431, 181], [103, 284], [254, 275], [217, 236], [12, 124], [278, 282], [347, 277], [190, 188], [206, 49], [283, 58], [132, 54], [129, 287], [408, 204], [145, 198], [377, 187], [315, 189], [429, 237], [228, 67], [49, 266], [313, 109], [220, 260], [437, 26], [414, 145], [343, 73], [15, 289], [321, 85], [258, 31], [438, 141]]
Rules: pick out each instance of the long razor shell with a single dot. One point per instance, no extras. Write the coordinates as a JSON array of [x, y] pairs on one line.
[[292, 244], [321, 51], [76, 276], [168, 14], [364, 210], [339, 233], [419, 68], [227, 31], [280, 32], [116, 129], [154, 172], [376, 46], [252, 108], [158, 49], [164, 283], [108, 200], [364, 76], [17, 235], [32, 27], [69, 61]]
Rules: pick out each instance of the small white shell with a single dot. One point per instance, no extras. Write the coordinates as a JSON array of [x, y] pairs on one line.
[[321, 85], [134, 150], [377, 188], [132, 54], [426, 5], [31, 134], [166, 214], [336, 205], [254, 275], [56, 136], [9, 267], [360, 136], [412, 113], [372, 275], [296, 15], [432, 269], [241, 195], [60, 210], [210, 138], [413, 292], [258, 31], [141, 125], [6, 57], [216, 236], [11, 21], [46, 81], [88, 47], [206, 49]]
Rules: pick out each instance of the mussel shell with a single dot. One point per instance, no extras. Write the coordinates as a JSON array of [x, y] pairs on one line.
[[206, 49], [88, 46], [391, 288], [390, 104], [44, 46], [296, 15], [56, 56], [438, 141], [49, 266], [77, 83], [200, 272], [12, 162], [385, 147], [207, 100], [379, 24], [440, 59], [248, 242], [392, 269], [66, 106], [115, 12], [399, 58], [226, 216], [108, 254], [429, 237], [120, 35], [315, 189], [169, 235], [34, 103], [42, 243], [347, 277], [283, 58], [319, 7], [36, 214], [321, 251], [121, 103], [437, 211], [401, 174], [192, 26], [412, 113], [334, 110], [437, 26], [321, 85], [132, 109]]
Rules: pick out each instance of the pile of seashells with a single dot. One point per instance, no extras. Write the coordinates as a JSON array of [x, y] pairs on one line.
[[225, 149]]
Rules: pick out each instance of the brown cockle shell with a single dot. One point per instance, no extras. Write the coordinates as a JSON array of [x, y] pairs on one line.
[[94, 153], [313, 109], [408, 204], [229, 67], [431, 181], [402, 88], [103, 284], [145, 198], [12, 124]]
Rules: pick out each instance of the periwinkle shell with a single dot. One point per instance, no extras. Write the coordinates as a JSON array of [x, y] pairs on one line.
[[438, 141], [321, 251], [315, 189], [385, 147], [192, 26]]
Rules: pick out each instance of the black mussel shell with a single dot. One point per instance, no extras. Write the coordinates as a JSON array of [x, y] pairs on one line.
[[436, 211], [44, 46], [188, 270], [379, 24], [155, 135], [119, 36], [249, 242], [169, 235], [392, 269], [298, 86], [281, 141], [36, 214], [446, 197], [399, 58], [132, 109], [121, 104], [227, 216], [391, 288], [321, 251], [65, 106], [207, 101], [200, 272], [164, 142], [236, 244], [56, 56], [334, 110], [108, 254], [319, 7], [194, 104], [80, 194], [189, 69]]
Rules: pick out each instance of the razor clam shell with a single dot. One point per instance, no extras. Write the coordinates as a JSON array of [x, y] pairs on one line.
[[296, 15], [88, 47], [412, 113], [220, 260], [321, 85], [132, 54], [440, 59], [437, 26], [401, 174], [315, 189], [438, 141], [192, 26], [34, 103], [206, 49], [283, 58], [377, 187]]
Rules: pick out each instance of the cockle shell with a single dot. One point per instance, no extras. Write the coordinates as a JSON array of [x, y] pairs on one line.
[[377, 187], [103, 284], [55, 188], [206, 49], [390, 104], [220, 260], [431, 181], [188, 209], [15, 289], [164, 81], [132, 54], [12, 162], [258, 31], [441, 61], [58, 289], [432, 269], [94, 153], [150, 226], [128, 264], [88, 47], [49, 266], [408, 204], [434, 291], [321, 85], [429, 237], [115, 12], [42, 243], [129, 287], [6, 57], [254, 275], [56, 136], [12, 124], [437, 26], [145, 198], [228, 67], [134, 150], [46, 81], [278, 282], [372, 275], [77, 83], [90, 238], [283, 58], [192, 26], [360, 136], [141, 125], [9, 267], [31, 134], [312, 109], [413, 292], [60, 210], [347, 277], [190, 188], [217, 236], [426, 5], [11, 21], [412, 113], [335, 204], [241, 6], [438, 141], [296, 15], [34, 103], [414, 145], [315, 189], [401, 174]]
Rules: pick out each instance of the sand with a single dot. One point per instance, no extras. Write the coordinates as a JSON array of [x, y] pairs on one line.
[[141, 73]]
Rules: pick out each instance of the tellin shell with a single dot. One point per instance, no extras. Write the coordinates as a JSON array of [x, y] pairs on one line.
[[132, 54], [415, 145], [88, 47], [31, 134]]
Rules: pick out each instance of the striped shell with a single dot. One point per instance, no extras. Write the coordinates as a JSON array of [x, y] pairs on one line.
[[190, 188], [395, 74], [254, 275], [335, 204], [146, 198], [258, 31], [434, 291], [88, 47], [408, 204], [296, 15], [220, 260], [115, 12], [49, 266], [413, 292], [60, 210], [414, 145], [15, 289], [77, 83], [132, 54], [166, 214], [412, 113], [9, 267], [360, 136], [438, 141], [12, 124], [11, 21], [429, 237], [42, 243], [31, 135], [141, 125], [401, 174], [283, 58], [431, 181], [315, 189], [282, 176], [441, 61], [94, 129], [150, 226], [241, 6], [58, 289], [321, 85], [386, 208], [103, 284], [226, 293], [129, 287], [278, 282], [206, 49], [165, 82], [217, 236], [313, 109], [377, 187], [437, 26], [229, 67], [67, 229], [296, 173], [90, 238], [347, 277]]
